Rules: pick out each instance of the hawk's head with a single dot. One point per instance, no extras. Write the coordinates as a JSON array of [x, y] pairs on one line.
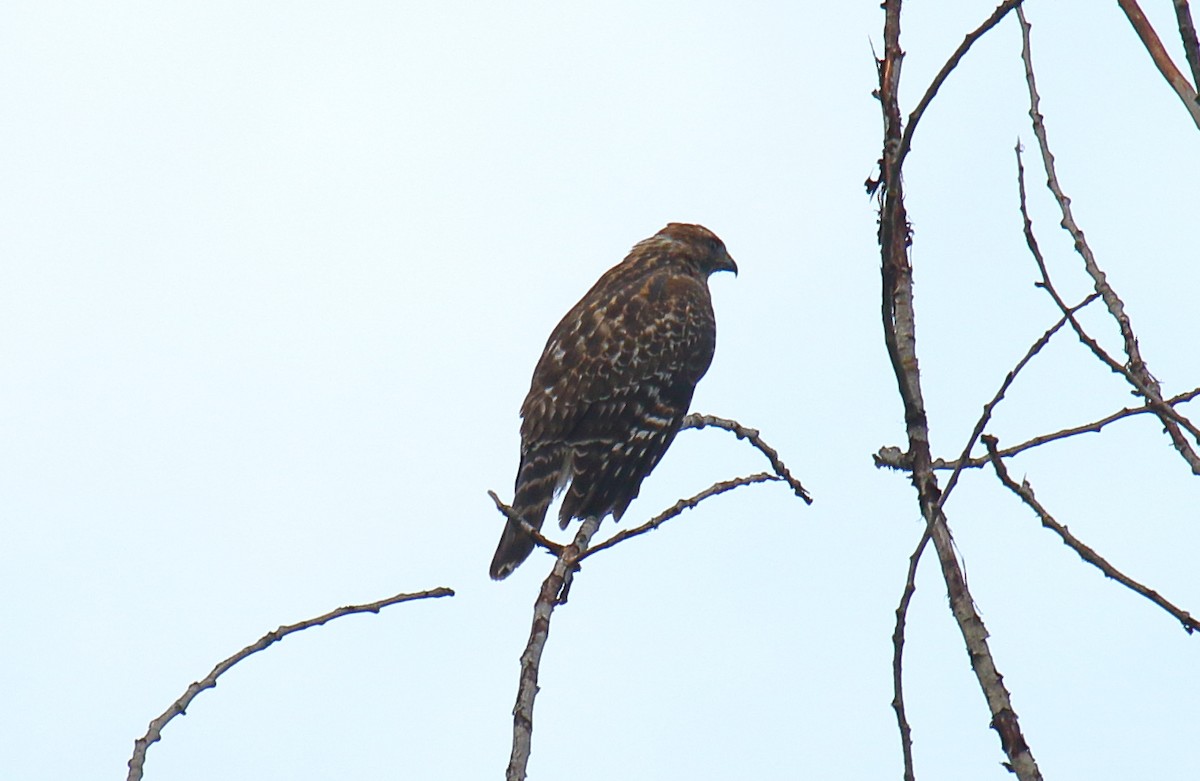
[[697, 246]]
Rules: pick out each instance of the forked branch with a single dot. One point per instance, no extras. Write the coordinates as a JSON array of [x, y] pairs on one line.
[[568, 558], [986, 416], [899, 324], [1134, 369]]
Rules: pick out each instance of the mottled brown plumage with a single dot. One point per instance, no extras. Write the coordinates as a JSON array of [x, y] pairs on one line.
[[614, 383]]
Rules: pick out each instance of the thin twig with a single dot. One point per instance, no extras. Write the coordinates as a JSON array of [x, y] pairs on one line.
[[910, 587], [1048, 285], [952, 63], [179, 707], [1087, 428], [1162, 60], [1071, 541], [552, 594], [1004, 386], [677, 508], [698, 421], [1134, 370]]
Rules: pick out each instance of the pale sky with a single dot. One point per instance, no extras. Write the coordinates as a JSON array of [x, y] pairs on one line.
[[275, 278]]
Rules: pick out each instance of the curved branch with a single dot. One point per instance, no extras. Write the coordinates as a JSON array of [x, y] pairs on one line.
[[677, 508], [179, 707], [698, 421]]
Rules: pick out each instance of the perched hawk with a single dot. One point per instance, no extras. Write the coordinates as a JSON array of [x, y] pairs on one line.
[[614, 383]]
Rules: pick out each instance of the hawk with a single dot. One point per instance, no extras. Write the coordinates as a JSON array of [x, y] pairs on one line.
[[614, 383]]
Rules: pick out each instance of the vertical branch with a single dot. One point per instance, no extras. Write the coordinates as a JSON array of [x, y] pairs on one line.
[[552, 594], [900, 335], [910, 587], [893, 219]]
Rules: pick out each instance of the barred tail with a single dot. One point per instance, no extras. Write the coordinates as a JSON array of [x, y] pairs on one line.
[[538, 478]]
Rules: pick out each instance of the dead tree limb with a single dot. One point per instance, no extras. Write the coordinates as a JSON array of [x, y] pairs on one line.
[[568, 558], [677, 508], [751, 435], [552, 594], [1134, 369], [180, 706], [986, 416], [1025, 492], [1087, 428], [910, 588], [899, 323]]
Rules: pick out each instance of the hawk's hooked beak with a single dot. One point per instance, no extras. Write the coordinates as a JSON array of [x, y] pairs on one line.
[[727, 264]]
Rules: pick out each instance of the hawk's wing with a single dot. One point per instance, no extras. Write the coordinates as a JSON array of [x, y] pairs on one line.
[[613, 386]]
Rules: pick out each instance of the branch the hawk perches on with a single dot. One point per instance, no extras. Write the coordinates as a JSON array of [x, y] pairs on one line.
[[614, 382]]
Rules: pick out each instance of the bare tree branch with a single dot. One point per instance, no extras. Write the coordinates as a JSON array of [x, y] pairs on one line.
[[1135, 370], [1087, 428], [568, 558], [677, 508], [1048, 285], [698, 421], [552, 594], [1162, 60], [910, 587], [899, 324], [1004, 386], [1071, 541], [952, 63], [1187, 34], [179, 707]]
